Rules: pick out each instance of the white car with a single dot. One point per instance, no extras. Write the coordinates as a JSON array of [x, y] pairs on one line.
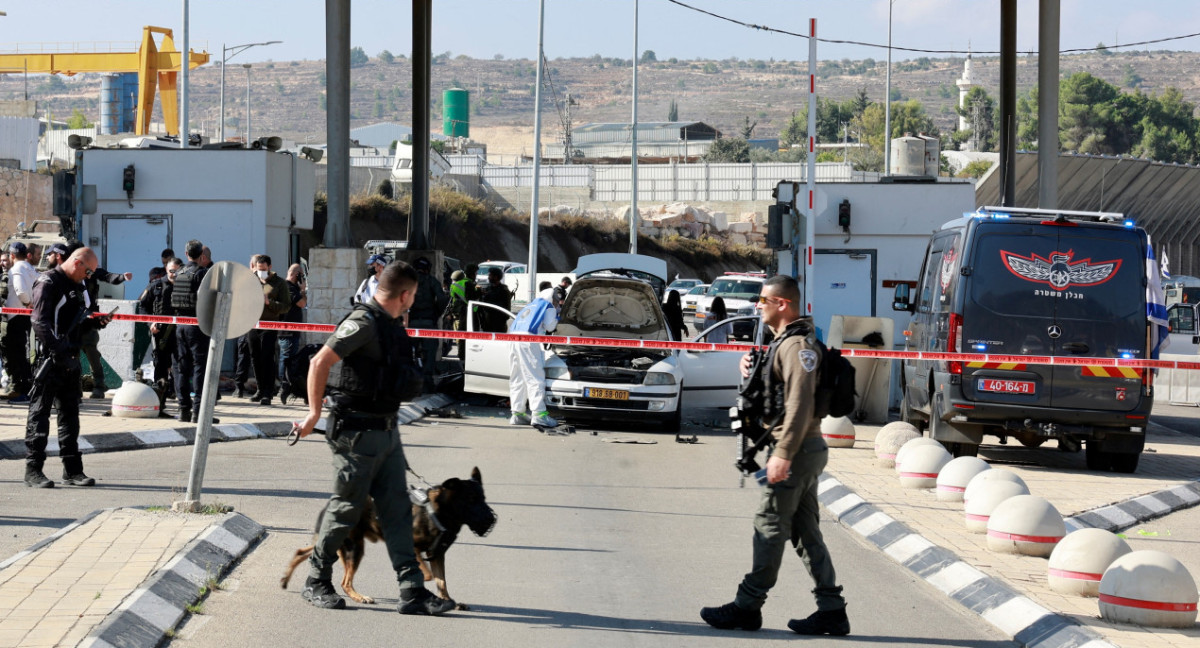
[[681, 286], [612, 383], [739, 291], [692, 298], [514, 273]]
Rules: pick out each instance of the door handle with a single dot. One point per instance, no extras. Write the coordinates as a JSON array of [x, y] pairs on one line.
[[1076, 347]]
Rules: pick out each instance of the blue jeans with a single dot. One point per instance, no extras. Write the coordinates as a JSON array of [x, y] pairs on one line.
[[289, 344]]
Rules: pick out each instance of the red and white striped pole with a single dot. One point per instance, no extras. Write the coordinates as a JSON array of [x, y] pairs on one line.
[[810, 225]]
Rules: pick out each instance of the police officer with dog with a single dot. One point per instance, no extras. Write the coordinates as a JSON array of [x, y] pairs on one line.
[[368, 364], [788, 509]]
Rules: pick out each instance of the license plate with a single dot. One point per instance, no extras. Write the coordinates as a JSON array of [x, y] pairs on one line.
[[608, 394], [1006, 386]]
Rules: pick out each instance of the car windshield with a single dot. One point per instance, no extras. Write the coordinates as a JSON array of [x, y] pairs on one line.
[[698, 290], [735, 288], [682, 283]]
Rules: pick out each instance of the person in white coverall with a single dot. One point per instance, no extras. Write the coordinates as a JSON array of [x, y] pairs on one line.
[[527, 383]]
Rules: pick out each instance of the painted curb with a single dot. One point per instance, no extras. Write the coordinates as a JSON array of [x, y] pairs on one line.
[[154, 608], [185, 436], [1123, 515], [1016, 615]]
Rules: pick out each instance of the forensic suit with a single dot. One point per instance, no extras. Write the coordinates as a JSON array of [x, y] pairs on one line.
[[527, 382]]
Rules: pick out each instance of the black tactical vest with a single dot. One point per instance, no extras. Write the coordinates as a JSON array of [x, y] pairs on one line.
[[365, 383], [187, 281], [773, 393]]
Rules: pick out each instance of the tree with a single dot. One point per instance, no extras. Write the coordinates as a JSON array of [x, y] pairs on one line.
[[728, 149], [648, 57], [673, 112], [78, 120], [748, 129], [1103, 49], [358, 57], [1130, 78], [980, 112], [386, 57], [830, 116]]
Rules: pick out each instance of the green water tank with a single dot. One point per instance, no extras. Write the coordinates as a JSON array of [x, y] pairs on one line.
[[456, 113]]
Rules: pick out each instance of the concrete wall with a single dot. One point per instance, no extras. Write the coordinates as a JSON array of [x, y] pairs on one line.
[[24, 197], [333, 278]]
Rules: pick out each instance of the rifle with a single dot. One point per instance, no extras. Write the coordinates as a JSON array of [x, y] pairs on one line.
[[46, 364], [753, 433]]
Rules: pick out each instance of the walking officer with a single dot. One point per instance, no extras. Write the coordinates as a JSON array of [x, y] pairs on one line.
[[373, 371], [788, 510], [60, 320], [191, 344]]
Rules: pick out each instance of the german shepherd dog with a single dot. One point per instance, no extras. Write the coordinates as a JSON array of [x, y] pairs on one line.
[[435, 527]]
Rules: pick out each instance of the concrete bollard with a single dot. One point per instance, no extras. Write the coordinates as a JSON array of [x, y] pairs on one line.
[[1148, 588], [135, 400], [1079, 560], [922, 465], [985, 500], [979, 482], [889, 442], [838, 432], [953, 479], [910, 445], [1025, 524]]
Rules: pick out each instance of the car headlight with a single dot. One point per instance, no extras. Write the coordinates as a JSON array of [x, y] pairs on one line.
[[659, 378], [558, 373], [746, 310]]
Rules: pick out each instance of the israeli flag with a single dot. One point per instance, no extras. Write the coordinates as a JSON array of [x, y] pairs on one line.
[[1156, 303], [1165, 266]]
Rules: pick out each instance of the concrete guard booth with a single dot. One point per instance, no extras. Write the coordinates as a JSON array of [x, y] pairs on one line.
[[238, 202], [856, 270]]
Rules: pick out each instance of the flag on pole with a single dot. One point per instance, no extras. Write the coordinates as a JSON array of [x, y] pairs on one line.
[[1165, 266], [1156, 308]]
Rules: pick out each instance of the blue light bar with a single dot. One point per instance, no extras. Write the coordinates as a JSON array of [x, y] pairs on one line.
[[979, 347], [1129, 224], [1127, 356]]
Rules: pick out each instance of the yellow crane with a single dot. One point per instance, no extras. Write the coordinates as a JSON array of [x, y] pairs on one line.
[[155, 68]]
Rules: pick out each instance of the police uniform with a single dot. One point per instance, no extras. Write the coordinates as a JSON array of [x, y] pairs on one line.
[[156, 300], [60, 321], [427, 306], [263, 342], [366, 388], [191, 350], [462, 292]]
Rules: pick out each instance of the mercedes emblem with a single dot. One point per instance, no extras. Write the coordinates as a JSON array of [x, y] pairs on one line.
[[1054, 332]]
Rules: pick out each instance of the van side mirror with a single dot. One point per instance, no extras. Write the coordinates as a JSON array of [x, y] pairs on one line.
[[902, 301]]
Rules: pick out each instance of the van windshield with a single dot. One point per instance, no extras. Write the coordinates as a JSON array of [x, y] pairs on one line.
[[737, 289], [1087, 280]]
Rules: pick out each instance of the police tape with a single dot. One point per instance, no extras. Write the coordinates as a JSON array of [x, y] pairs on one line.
[[667, 345]]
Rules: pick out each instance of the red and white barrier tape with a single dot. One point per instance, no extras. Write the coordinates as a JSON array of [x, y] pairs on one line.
[[665, 345]]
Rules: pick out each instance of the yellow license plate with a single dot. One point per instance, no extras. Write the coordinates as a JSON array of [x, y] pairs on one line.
[[609, 394]]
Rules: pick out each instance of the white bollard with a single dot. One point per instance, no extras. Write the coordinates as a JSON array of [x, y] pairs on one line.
[[891, 442], [1078, 562], [838, 432], [1148, 588], [979, 482], [953, 479], [1025, 524], [910, 445], [135, 400], [979, 508], [922, 465]]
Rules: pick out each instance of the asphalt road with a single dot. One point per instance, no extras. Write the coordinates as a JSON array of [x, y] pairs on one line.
[[598, 543]]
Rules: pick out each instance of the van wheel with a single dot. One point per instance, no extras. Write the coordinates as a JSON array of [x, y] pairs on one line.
[[1031, 441], [908, 416], [1124, 462]]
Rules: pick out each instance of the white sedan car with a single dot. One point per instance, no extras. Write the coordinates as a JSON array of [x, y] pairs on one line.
[[612, 383]]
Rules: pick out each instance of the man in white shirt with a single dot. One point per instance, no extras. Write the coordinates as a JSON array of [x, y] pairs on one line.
[[366, 289], [15, 343]]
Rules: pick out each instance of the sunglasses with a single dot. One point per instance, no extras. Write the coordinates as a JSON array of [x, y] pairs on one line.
[[764, 299], [88, 273]]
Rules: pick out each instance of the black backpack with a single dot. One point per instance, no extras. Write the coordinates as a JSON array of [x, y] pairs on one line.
[[835, 384]]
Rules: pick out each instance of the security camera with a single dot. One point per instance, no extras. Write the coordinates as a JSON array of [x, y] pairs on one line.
[[312, 154], [77, 142]]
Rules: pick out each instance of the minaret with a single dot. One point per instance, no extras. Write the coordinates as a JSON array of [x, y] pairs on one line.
[[964, 86]]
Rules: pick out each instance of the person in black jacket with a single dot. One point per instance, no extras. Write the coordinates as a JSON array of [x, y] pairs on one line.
[[191, 344], [60, 321], [156, 300], [673, 310]]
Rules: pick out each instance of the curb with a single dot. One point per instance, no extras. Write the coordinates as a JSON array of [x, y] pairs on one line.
[[183, 436], [1123, 515], [153, 609], [1016, 615]]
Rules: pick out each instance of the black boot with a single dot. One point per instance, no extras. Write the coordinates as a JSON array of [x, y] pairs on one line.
[[731, 617], [77, 479], [196, 418], [822, 622], [185, 415], [321, 594], [419, 600], [35, 478]]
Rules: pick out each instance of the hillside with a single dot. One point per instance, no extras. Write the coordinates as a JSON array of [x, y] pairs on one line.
[[287, 96]]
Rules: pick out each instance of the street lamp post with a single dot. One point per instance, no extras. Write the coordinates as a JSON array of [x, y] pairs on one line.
[[247, 66], [887, 102], [225, 56]]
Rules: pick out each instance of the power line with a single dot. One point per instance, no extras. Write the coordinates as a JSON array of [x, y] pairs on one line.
[[785, 32]]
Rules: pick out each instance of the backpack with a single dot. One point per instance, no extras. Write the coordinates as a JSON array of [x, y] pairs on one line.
[[835, 384]]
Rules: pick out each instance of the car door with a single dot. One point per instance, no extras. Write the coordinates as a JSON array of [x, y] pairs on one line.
[[1182, 320], [486, 367], [711, 378]]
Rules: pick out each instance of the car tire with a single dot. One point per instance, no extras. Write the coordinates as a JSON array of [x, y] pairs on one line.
[[1124, 462], [1096, 458], [908, 415], [674, 422]]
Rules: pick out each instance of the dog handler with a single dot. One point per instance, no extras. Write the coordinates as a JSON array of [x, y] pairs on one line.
[[376, 372], [527, 382], [788, 509]]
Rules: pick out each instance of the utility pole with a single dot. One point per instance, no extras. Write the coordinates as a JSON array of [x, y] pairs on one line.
[[634, 217]]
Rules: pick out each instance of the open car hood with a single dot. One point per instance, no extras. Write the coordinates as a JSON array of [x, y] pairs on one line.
[[619, 261], [612, 306]]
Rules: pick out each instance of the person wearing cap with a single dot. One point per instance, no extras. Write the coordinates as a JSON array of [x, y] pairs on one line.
[[15, 343], [429, 302], [366, 290], [527, 382], [55, 254], [462, 292]]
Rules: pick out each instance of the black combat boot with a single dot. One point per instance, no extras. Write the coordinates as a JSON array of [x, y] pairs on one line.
[[731, 617], [185, 415], [77, 479], [822, 622], [35, 478], [321, 594], [418, 600]]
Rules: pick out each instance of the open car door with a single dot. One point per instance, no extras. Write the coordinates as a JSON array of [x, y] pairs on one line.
[[486, 368], [711, 378]]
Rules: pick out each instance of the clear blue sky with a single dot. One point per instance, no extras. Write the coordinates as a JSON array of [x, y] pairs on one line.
[[484, 28]]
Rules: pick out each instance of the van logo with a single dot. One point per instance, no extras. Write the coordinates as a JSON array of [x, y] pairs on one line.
[[1059, 271], [1054, 332], [947, 268]]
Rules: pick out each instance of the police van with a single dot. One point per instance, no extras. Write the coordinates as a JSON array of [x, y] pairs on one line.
[[1012, 281]]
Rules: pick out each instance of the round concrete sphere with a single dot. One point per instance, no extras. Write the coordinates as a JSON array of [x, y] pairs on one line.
[[980, 481], [954, 477], [922, 464], [979, 508], [1079, 560], [890, 430], [910, 445], [838, 432], [1025, 524], [1148, 588], [135, 400], [887, 447]]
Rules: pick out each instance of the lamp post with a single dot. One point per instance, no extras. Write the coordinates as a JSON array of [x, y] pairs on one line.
[[887, 102], [226, 54], [247, 66]]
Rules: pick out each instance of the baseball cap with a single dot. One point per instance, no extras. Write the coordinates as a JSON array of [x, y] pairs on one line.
[[18, 247], [378, 258], [57, 248]]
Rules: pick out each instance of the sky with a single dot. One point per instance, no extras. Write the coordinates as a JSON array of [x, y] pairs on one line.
[[576, 28]]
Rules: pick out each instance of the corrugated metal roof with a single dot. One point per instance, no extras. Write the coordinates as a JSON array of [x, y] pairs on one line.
[[382, 135], [1163, 198], [647, 131]]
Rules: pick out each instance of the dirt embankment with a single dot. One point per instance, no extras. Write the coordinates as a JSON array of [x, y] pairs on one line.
[[472, 232]]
